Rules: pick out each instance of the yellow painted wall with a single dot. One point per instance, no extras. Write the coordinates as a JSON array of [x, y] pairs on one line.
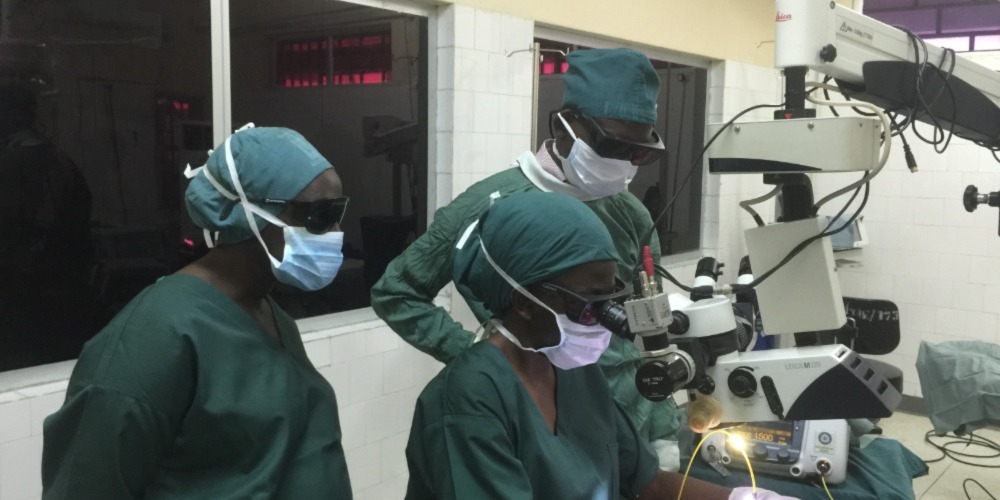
[[719, 29]]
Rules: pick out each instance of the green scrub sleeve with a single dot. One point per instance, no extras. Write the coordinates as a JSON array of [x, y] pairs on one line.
[[102, 444], [404, 296], [476, 460], [637, 461]]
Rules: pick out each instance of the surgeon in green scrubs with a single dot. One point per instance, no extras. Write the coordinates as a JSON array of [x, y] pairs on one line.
[[600, 137], [200, 387], [526, 413]]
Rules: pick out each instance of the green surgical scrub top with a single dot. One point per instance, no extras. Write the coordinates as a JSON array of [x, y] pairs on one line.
[[404, 296], [183, 395], [477, 434]]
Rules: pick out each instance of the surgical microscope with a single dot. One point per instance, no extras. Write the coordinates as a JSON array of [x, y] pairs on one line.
[[692, 345]]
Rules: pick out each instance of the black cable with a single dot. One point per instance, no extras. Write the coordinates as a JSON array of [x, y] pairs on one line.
[[805, 243], [826, 95], [696, 163], [662, 272], [973, 440], [940, 138], [795, 251], [966, 490], [844, 209]]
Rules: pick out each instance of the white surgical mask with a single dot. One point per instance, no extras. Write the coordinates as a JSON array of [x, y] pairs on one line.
[[579, 345], [594, 174], [309, 261]]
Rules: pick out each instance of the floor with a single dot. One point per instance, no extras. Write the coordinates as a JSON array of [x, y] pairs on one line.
[[944, 481]]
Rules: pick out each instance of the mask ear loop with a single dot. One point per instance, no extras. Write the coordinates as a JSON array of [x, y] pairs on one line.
[[481, 332], [568, 128]]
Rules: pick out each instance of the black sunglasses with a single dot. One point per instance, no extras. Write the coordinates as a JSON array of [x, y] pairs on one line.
[[585, 309], [316, 216], [611, 146]]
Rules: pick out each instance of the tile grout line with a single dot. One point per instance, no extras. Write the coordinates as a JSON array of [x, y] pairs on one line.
[[940, 476]]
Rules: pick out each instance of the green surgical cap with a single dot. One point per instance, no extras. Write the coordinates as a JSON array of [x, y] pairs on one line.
[[270, 162], [620, 84], [531, 237]]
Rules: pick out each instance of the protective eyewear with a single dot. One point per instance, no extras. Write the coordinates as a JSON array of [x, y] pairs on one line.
[[585, 309], [316, 216], [611, 146]]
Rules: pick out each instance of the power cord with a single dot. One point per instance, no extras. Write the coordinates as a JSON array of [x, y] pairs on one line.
[[825, 487], [973, 440], [947, 451], [691, 170], [802, 246], [747, 205], [863, 182], [697, 162], [753, 478], [886, 143], [966, 489]]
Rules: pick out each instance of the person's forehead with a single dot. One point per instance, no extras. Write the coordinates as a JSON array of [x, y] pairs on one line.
[[586, 276], [611, 124], [326, 185]]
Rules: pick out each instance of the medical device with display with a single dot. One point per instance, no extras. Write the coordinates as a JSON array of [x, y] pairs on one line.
[[796, 449]]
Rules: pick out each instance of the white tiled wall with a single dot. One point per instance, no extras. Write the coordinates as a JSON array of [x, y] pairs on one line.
[[483, 95], [939, 264], [734, 86], [482, 113]]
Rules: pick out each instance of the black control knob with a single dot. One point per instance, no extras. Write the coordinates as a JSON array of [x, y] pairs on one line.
[[759, 451], [680, 324], [742, 383], [969, 199], [784, 455], [828, 53]]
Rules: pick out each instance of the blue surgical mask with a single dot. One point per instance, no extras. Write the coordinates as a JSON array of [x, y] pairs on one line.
[[309, 261]]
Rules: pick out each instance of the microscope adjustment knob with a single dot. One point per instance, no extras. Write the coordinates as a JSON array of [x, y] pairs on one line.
[[969, 199], [742, 383], [759, 451], [828, 53]]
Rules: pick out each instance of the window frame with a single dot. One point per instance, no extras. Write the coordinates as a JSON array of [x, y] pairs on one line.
[[328, 325], [222, 121]]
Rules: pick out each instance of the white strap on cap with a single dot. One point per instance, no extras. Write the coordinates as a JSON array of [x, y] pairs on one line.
[[209, 240], [190, 173], [247, 208], [466, 234], [511, 281]]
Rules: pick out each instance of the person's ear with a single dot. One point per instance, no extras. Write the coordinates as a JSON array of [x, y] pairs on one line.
[[522, 305]]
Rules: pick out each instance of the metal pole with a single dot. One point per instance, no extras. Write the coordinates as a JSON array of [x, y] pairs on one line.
[[534, 95]]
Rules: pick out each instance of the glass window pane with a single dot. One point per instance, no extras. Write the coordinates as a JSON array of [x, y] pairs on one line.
[[104, 103], [987, 42], [376, 67], [958, 43]]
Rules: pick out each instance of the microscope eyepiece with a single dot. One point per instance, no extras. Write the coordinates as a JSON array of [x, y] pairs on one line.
[[612, 316]]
